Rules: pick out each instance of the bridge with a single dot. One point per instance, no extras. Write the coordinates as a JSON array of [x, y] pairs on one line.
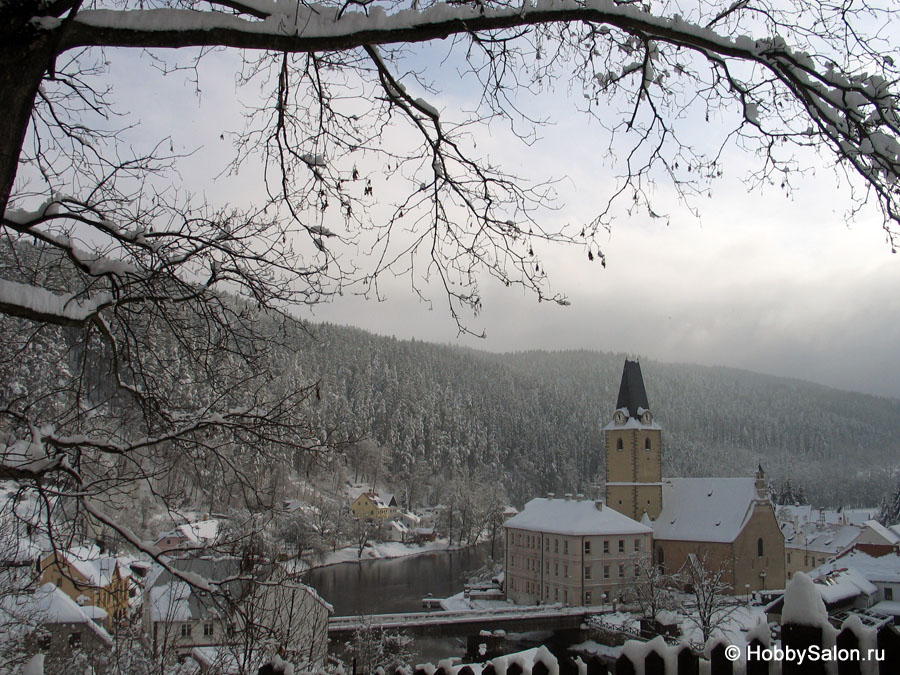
[[463, 623]]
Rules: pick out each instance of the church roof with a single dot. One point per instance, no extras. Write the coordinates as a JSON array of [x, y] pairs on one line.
[[705, 509], [632, 394]]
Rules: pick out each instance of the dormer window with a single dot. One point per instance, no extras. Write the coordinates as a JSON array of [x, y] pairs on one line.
[[646, 418], [619, 417]]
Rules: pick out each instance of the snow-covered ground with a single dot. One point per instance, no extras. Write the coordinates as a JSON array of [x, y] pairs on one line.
[[460, 602], [386, 549]]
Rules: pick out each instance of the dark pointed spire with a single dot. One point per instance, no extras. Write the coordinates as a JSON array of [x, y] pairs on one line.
[[632, 394]]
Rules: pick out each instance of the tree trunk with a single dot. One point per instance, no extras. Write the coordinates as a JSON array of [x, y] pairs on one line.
[[25, 54]]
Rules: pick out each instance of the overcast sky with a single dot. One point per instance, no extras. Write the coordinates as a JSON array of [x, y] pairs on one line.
[[763, 281]]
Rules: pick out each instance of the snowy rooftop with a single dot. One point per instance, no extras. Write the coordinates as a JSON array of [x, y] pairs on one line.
[[51, 605], [570, 516], [97, 569], [841, 583], [887, 534], [705, 509], [197, 534], [831, 539], [885, 568], [804, 513]]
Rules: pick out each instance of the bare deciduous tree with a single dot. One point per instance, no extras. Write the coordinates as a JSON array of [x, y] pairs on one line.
[[714, 603]]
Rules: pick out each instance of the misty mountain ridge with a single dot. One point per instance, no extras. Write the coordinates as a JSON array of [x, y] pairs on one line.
[[538, 415]]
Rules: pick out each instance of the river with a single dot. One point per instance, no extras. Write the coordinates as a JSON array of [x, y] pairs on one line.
[[391, 585]]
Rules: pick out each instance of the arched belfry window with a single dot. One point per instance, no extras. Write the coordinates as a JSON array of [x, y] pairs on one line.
[[759, 547], [647, 445], [620, 445]]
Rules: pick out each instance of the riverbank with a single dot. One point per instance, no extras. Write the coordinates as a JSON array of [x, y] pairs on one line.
[[384, 550]]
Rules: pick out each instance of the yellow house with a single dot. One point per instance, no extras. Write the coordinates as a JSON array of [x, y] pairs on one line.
[[370, 506], [100, 581]]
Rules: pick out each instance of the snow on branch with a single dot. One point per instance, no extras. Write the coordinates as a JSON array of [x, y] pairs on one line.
[[855, 115], [39, 304]]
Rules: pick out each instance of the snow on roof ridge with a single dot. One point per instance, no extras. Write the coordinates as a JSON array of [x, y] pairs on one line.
[[570, 516]]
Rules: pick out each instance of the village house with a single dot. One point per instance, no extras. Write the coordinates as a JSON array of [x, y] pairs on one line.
[[856, 583], [178, 618], [810, 544], [372, 506], [67, 633], [571, 550], [188, 536], [90, 578]]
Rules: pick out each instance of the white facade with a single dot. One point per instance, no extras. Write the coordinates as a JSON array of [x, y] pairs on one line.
[[571, 551]]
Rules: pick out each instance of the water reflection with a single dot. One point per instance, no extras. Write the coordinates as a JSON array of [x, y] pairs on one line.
[[396, 584]]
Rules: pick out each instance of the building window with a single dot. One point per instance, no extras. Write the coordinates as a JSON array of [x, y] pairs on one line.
[[620, 445], [647, 444], [661, 558], [547, 547], [587, 547], [587, 571], [74, 640], [556, 569], [556, 545], [566, 546], [622, 570], [637, 544], [789, 557], [621, 546], [207, 629], [888, 593], [587, 598], [606, 571], [566, 571], [185, 630], [606, 545], [547, 571], [759, 547]]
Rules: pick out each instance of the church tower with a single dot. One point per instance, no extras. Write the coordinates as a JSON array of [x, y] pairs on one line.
[[633, 451]]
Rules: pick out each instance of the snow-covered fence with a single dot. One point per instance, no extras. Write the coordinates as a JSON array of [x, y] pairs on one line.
[[532, 662]]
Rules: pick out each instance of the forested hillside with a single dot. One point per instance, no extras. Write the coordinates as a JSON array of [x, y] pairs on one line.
[[532, 420], [423, 419]]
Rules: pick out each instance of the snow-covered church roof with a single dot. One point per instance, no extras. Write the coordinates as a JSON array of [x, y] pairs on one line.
[[573, 517], [705, 509]]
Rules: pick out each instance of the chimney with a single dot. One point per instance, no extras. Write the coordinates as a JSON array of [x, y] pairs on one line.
[[579, 497], [568, 496], [599, 504], [551, 495]]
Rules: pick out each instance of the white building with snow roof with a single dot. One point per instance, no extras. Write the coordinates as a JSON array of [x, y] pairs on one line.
[[48, 621], [573, 551]]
